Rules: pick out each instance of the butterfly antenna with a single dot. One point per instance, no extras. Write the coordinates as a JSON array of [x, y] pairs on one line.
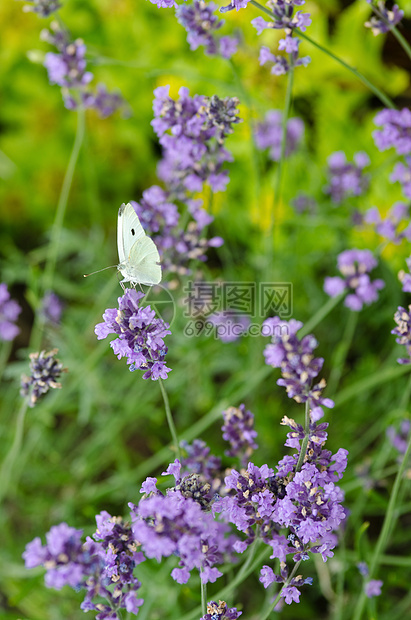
[[86, 275]]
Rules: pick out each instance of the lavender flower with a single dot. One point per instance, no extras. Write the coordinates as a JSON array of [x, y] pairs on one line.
[[238, 429], [104, 102], [200, 22], [363, 568], [395, 132], [280, 64], [373, 588], [345, 178], [68, 69], [140, 335], [354, 265], [44, 372], [173, 524], [163, 3], [51, 308], [405, 278], [192, 131], [402, 173], [399, 438], [119, 555], [188, 246], [298, 365], [235, 4], [43, 8], [198, 460], [284, 19], [193, 152], [384, 19], [62, 554], [268, 134], [228, 46], [177, 247], [395, 226], [290, 593], [403, 332], [303, 203], [156, 211], [201, 25], [93, 566], [220, 611], [306, 504], [9, 311], [229, 327]]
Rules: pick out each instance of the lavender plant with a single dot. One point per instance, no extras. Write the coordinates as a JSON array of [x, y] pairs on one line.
[[192, 131], [346, 179], [355, 265], [68, 68], [139, 335]]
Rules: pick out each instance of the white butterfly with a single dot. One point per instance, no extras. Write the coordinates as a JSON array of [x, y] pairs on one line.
[[139, 257]]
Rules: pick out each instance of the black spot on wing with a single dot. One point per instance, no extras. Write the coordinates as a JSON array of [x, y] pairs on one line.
[[133, 232]]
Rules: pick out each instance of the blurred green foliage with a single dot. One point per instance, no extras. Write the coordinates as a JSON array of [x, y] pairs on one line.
[[89, 446]]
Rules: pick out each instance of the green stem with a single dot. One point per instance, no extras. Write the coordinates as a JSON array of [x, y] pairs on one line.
[[277, 598], [255, 155], [304, 444], [339, 594], [377, 379], [170, 420], [53, 249], [262, 8], [402, 41], [389, 519], [9, 461], [222, 594], [382, 96], [405, 398], [251, 553], [342, 352], [280, 165], [203, 598], [62, 203], [377, 92], [320, 315]]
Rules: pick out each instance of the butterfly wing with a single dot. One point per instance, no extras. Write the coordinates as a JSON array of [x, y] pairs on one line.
[[129, 230], [143, 263]]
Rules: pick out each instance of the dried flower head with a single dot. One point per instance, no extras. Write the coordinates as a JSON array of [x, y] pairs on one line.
[[45, 370], [220, 611]]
